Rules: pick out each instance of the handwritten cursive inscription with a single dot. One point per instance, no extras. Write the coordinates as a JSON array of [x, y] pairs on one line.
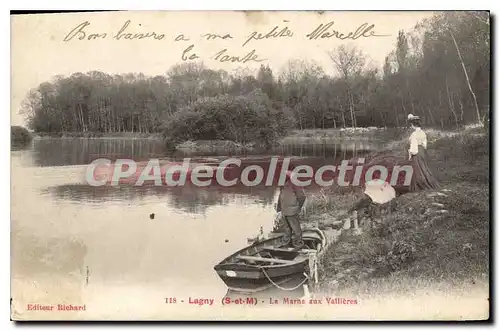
[[212, 36], [181, 37], [186, 56], [122, 34], [129, 31], [323, 31], [250, 56], [80, 33], [274, 33]]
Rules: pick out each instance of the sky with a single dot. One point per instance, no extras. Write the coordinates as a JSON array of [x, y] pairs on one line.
[[42, 46]]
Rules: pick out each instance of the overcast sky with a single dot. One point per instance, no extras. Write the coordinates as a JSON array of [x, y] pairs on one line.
[[39, 51]]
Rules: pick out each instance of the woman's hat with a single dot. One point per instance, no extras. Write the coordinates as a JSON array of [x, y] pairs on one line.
[[412, 117]]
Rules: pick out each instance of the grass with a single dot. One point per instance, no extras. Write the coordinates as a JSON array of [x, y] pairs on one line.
[[315, 136], [431, 238]]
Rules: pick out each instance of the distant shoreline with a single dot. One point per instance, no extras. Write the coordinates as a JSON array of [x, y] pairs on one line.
[[304, 135], [91, 135]]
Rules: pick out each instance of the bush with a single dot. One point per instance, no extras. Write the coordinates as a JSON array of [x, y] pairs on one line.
[[19, 136], [391, 246], [243, 119]]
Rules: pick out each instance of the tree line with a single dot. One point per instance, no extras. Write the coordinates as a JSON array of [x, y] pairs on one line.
[[440, 71]]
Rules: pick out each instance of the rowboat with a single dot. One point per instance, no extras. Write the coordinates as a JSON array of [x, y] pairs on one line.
[[269, 263]]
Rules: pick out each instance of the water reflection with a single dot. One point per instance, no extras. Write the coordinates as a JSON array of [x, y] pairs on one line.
[[187, 198], [59, 152], [102, 240], [78, 151], [342, 150]]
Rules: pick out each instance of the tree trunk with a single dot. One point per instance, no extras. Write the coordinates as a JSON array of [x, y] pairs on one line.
[[396, 115], [351, 107], [450, 102], [411, 97], [431, 115], [461, 110], [467, 79]]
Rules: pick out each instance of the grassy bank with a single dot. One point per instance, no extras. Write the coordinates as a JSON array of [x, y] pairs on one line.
[[216, 146], [298, 137], [306, 136], [315, 136], [434, 239]]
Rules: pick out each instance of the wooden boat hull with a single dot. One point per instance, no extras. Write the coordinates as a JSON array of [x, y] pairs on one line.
[[243, 275], [245, 278], [290, 282]]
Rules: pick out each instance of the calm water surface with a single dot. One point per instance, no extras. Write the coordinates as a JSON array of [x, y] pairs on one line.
[[101, 245]]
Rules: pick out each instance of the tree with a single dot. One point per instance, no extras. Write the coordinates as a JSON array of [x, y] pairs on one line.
[[349, 62], [440, 70]]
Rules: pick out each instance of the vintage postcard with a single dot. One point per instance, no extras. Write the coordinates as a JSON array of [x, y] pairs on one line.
[[236, 165]]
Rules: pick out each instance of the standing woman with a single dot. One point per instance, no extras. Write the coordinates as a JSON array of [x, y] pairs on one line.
[[422, 178]]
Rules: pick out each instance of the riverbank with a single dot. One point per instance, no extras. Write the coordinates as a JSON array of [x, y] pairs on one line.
[[432, 238], [318, 136], [97, 135], [306, 136]]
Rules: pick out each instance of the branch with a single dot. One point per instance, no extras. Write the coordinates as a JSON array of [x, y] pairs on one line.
[[485, 21]]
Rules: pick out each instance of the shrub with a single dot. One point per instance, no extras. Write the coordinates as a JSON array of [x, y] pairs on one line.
[[19, 136], [243, 119]]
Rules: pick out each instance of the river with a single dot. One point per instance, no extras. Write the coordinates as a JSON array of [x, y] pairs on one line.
[[122, 250]]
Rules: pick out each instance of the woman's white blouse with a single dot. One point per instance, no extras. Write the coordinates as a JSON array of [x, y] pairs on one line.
[[417, 138]]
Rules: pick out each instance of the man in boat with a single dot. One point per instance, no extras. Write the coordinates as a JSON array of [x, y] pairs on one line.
[[290, 203]]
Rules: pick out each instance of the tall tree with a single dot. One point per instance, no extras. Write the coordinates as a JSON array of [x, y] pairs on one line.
[[349, 63]]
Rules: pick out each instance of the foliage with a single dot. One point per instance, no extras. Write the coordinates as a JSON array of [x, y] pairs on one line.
[[19, 136], [467, 161], [243, 119], [440, 71], [421, 235]]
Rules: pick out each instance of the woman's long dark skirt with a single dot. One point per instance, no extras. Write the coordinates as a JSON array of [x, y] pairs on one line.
[[422, 178]]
